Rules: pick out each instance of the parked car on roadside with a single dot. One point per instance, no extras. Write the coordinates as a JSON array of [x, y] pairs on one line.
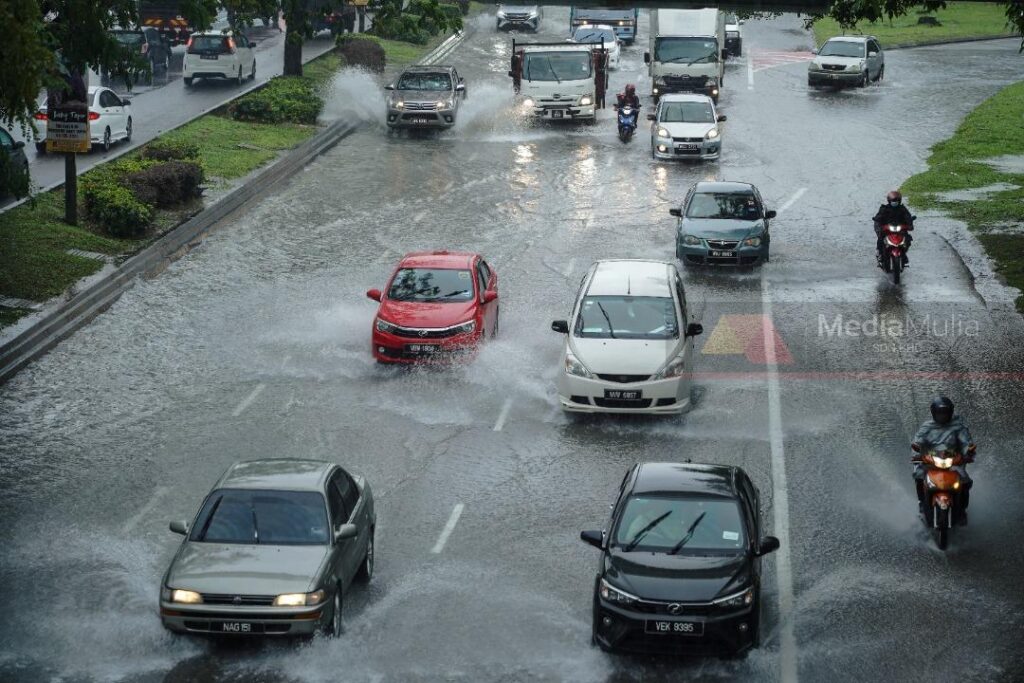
[[148, 44], [425, 97], [724, 224], [680, 567], [847, 60], [110, 119], [217, 54], [519, 17], [685, 126], [274, 550], [16, 162]]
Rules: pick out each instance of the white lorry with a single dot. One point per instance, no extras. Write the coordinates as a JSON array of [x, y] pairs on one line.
[[560, 81], [687, 51]]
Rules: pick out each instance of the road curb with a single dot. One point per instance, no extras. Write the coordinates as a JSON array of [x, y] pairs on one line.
[[99, 295], [951, 41], [446, 48]]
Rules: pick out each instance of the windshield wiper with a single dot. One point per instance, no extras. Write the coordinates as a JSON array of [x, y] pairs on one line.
[[255, 524], [689, 534], [551, 68], [611, 329], [710, 54], [643, 532], [457, 292]]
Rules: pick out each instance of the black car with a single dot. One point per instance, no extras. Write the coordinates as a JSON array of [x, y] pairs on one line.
[[148, 44], [680, 569]]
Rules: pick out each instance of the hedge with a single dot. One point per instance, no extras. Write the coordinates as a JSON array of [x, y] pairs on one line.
[[363, 52], [291, 99]]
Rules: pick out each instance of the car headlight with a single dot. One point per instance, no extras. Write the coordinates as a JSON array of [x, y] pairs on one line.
[[528, 102], [816, 66], [741, 599], [752, 241], [675, 368], [854, 67], [186, 597], [612, 594], [533, 15], [466, 327], [573, 366], [299, 599], [712, 134], [399, 104], [501, 15], [663, 133], [385, 326], [586, 100], [654, 91], [691, 240]]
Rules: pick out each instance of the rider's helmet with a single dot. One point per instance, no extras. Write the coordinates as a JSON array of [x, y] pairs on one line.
[[630, 90], [942, 410], [894, 198]]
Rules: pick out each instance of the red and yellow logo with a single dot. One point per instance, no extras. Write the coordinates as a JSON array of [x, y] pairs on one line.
[[736, 334]]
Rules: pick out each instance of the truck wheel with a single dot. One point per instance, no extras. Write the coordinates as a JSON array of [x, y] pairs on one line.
[[188, 82]]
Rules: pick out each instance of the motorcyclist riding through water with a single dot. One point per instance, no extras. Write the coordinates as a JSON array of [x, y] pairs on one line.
[[945, 430], [893, 212], [629, 97]]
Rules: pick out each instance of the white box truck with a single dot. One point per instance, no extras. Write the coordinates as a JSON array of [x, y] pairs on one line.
[[687, 51], [560, 81]]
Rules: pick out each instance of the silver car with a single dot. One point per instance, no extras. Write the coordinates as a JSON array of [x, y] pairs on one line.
[[273, 551], [519, 17], [685, 126], [847, 60], [425, 97]]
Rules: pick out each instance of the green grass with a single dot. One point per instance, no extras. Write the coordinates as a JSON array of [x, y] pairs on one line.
[[993, 129], [959, 20]]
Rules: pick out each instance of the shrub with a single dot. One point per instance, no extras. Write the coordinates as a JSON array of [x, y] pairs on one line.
[[167, 184], [14, 178], [403, 27], [165, 150], [115, 208], [284, 99], [454, 12], [363, 52]]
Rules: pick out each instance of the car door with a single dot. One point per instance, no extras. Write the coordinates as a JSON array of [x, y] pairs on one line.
[[486, 281], [876, 62], [684, 322], [111, 113], [246, 54], [358, 513], [339, 516]]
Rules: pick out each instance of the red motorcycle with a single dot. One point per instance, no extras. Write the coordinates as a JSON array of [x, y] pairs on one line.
[[895, 241], [941, 489]]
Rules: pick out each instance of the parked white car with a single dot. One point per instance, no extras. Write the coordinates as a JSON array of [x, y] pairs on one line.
[[216, 54], [629, 342], [110, 119], [595, 33], [685, 126]]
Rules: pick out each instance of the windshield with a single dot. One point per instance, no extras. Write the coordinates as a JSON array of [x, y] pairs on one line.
[[731, 19], [687, 112], [126, 38], [438, 81], [424, 284], [627, 317], [730, 206], [685, 50], [662, 523], [208, 44], [556, 66], [841, 48], [261, 517], [594, 35]]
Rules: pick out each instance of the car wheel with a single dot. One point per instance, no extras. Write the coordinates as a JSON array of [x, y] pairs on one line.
[[41, 147], [865, 79], [497, 319], [366, 568], [239, 79], [128, 130], [252, 74], [739, 49], [337, 626], [106, 140], [881, 73], [188, 82], [152, 72]]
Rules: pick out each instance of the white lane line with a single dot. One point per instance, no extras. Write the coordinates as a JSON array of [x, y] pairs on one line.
[[750, 73], [418, 217], [503, 415], [569, 268], [448, 528], [134, 520], [247, 401], [285, 362], [780, 498], [792, 200]]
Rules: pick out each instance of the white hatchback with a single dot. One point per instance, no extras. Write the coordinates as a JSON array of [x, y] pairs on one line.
[[629, 343], [215, 54]]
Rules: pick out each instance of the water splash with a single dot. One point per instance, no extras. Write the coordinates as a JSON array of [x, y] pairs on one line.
[[355, 93]]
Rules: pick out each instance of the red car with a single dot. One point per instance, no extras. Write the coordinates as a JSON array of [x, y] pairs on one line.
[[437, 305]]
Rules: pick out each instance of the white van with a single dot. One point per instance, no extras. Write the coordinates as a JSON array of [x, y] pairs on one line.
[[687, 51]]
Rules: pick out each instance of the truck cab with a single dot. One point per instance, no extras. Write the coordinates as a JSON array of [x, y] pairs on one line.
[[686, 52], [559, 81]]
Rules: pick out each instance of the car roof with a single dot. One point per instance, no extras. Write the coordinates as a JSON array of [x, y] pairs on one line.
[[225, 32], [438, 259], [685, 97], [850, 39], [277, 473], [633, 277], [723, 187], [677, 477], [428, 68]]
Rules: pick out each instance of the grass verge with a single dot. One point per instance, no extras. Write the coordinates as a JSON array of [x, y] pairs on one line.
[[960, 20], [995, 128]]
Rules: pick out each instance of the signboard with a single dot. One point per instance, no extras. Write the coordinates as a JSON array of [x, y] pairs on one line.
[[359, 3], [67, 128]]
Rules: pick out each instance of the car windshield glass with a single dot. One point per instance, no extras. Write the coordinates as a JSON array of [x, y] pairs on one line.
[[126, 38], [687, 112], [730, 18], [426, 284], [699, 523], [594, 35], [735, 206], [208, 44], [685, 50], [841, 48], [556, 66], [262, 517], [438, 81], [627, 317]]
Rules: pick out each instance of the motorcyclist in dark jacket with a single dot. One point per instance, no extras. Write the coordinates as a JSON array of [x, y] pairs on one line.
[[629, 97], [893, 212], [948, 430]]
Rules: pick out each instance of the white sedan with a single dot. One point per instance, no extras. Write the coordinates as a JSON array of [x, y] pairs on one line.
[[110, 119], [595, 33]]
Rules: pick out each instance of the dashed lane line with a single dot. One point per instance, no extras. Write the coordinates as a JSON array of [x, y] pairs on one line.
[[247, 401], [448, 529], [134, 520], [792, 200], [503, 415]]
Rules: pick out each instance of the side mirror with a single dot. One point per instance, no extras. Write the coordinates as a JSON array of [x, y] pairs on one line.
[[391, 86], [725, 54], [769, 544], [253, 43], [814, 50], [594, 538], [652, 117], [913, 217], [872, 54], [19, 144], [741, 22], [374, 294], [770, 214], [460, 87], [647, 58], [722, 117], [916, 447], [972, 449], [490, 295], [694, 330], [511, 75], [345, 531], [678, 213], [561, 326], [179, 527]]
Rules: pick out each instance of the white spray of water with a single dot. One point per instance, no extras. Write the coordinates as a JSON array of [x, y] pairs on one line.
[[354, 92], [487, 106]]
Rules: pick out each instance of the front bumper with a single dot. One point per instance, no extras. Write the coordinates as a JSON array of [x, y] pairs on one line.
[[726, 632], [229, 620], [400, 118], [390, 348], [705, 150], [658, 396], [700, 254], [509, 23], [834, 77], [562, 112], [734, 44]]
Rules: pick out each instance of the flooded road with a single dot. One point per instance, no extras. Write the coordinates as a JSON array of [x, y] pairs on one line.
[[257, 345]]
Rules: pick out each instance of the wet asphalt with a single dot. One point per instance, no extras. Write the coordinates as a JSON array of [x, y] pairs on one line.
[[257, 345]]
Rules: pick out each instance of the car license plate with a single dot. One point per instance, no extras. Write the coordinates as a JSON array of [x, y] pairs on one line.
[[240, 627], [425, 349], [675, 628], [724, 254], [421, 120], [557, 114], [207, 56], [688, 148], [622, 395]]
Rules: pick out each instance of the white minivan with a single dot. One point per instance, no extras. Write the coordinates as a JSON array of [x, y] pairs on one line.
[[215, 54], [629, 342]]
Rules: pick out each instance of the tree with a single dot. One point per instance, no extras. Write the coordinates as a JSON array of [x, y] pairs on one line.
[[25, 44]]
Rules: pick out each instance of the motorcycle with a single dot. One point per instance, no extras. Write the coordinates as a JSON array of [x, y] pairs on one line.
[[628, 116], [895, 241], [941, 490]]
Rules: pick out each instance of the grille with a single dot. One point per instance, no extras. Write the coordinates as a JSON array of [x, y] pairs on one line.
[[662, 608], [417, 333], [670, 645], [833, 67], [723, 244], [687, 139], [685, 82], [688, 151], [229, 599], [517, 17], [420, 106], [420, 115], [621, 403], [624, 379]]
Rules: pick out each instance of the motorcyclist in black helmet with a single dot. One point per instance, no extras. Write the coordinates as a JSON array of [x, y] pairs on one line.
[[893, 212], [945, 429]]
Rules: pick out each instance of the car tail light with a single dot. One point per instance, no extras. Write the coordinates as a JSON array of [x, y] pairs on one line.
[[231, 45], [40, 116], [145, 48], [93, 116]]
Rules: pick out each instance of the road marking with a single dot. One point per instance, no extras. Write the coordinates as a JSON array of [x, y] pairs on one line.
[[247, 401], [284, 363], [418, 217], [792, 200], [750, 72], [569, 268], [780, 499], [503, 415], [134, 520], [448, 528]]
